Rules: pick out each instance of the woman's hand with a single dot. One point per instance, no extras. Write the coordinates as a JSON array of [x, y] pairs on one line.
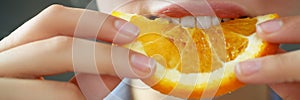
[[281, 71], [45, 46]]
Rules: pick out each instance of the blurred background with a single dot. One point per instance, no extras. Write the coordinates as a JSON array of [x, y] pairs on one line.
[[15, 12]]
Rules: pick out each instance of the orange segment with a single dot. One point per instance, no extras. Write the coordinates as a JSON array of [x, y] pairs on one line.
[[154, 43], [189, 65], [235, 44], [246, 26], [203, 49]]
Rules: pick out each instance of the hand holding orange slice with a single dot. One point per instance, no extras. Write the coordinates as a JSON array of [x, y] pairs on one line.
[[189, 62]]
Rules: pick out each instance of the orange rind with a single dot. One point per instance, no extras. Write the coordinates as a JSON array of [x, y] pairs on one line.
[[189, 64]]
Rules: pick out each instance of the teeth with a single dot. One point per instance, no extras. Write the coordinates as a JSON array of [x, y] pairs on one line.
[[175, 20], [168, 19], [204, 22], [216, 21], [188, 21]]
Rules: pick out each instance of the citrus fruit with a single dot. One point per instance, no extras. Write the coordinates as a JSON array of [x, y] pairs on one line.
[[194, 61]]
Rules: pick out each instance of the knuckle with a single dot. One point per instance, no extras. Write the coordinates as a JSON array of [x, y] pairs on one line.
[[279, 64], [275, 61], [59, 43], [280, 60], [283, 60], [51, 11], [61, 39], [47, 15], [54, 8]]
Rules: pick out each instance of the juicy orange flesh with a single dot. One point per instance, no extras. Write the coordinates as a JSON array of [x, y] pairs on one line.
[[234, 45], [245, 26], [203, 49], [159, 37], [235, 32], [156, 43]]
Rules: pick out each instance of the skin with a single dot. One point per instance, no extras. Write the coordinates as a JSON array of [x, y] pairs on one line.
[[41, 47], [54, 42]]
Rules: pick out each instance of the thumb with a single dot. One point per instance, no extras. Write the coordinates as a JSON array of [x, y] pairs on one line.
[[284, 30], [270, 69]]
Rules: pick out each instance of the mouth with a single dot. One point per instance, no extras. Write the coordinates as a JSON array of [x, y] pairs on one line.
[[200, 14]]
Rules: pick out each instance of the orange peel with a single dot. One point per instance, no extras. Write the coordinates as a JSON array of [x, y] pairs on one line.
[[187, 60]]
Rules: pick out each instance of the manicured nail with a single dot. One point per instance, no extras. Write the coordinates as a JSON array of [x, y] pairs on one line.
[[126, 29], [247, 68], [270, 26], [142, 63]]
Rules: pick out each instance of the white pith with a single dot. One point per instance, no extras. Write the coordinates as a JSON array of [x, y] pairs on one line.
[[196, 79], [206, 81], [193, 79]]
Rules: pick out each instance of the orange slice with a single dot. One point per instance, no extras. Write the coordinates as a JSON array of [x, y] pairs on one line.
[[195, 63]]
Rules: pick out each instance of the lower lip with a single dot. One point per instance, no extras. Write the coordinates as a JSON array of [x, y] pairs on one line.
[[219, 9]]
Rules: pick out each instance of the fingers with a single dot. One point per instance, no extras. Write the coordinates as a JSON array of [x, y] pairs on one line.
[[284, 30], [270, 69], [95, 87], [19, 89], [57, 20], [279, 51], [287, 91], [65, 54]]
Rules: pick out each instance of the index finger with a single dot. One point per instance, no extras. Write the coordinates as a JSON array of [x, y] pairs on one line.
[[59, 20], [283, 30]]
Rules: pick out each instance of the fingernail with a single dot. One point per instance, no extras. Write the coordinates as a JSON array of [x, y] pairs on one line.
[[270, 26], [247, 68], [142, 63], [126, 29]]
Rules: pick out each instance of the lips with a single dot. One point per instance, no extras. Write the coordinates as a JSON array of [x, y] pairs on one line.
[[201, 8]]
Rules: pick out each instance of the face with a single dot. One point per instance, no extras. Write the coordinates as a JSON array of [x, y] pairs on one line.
[[222, 8], [260, 7], [203, 10]]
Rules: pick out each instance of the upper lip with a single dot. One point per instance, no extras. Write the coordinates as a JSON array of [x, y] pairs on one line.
[[200, 8]]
